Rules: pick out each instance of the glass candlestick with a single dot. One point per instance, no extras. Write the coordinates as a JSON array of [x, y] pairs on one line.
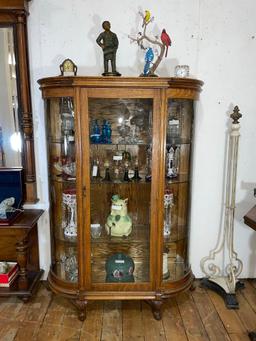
[[168, 203], [69, 213], [126, 172], [172, 162], [67, 126], [136, 176], [116, 172], [107, 177]]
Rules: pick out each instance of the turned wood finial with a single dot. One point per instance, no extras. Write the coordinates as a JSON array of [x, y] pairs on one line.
[[236, 115]]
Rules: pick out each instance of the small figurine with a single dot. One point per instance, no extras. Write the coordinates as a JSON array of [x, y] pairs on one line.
[[4, 267], [119, 223], [149, 57], [166, 40], [146, 18], [6, 206], [108, 41]]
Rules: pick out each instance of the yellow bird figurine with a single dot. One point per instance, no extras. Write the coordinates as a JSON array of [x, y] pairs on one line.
[[146, 18]]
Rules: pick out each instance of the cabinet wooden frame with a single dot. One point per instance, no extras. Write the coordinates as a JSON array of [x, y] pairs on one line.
[[82, 90], [14, 14]]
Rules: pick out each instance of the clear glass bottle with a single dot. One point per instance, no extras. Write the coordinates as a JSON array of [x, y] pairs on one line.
[[168, 204], [67, 127], [69, 220]]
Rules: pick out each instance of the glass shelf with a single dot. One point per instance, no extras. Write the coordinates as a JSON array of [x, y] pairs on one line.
[[121, 144], [61, 179], [181, 178], [121, 183], [140, 233], [177, 141], [62, 240]]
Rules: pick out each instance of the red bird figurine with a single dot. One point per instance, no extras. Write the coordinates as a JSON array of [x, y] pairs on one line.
[[166, 40]]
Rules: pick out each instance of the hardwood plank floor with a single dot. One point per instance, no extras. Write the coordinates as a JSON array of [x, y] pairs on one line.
[[193, 316]]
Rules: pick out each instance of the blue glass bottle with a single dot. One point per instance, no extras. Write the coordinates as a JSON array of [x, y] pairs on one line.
[[108, 132], [95, 136], [104, 132]]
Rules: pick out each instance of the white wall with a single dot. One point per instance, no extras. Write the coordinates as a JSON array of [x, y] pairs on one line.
[[217, 39]]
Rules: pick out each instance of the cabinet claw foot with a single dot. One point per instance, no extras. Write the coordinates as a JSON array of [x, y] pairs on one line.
[[193, 286], [156, 308], [252, 335], [81, 306]]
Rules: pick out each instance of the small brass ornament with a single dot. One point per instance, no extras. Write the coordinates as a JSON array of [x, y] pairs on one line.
[[236, 115], [68, 67]]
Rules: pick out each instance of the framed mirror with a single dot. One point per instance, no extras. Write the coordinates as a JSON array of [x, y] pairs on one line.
[[10, 136], [16, 126]]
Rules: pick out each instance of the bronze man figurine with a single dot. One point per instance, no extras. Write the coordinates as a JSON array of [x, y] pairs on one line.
[[108, 41]]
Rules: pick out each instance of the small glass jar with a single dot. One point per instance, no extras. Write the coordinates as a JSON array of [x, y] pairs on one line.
[[96, 230]]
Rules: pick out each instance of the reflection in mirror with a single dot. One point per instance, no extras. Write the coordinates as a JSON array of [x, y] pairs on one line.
[[10, 137]]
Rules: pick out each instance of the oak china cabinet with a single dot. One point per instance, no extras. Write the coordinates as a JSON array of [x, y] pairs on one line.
[[119, 179]]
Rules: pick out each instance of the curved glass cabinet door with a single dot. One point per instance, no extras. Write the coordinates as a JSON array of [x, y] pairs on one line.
[[120, 189], [176, 191], [62, 183]]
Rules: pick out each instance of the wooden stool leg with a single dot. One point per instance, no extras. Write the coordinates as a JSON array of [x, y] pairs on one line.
[[22, 259]]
